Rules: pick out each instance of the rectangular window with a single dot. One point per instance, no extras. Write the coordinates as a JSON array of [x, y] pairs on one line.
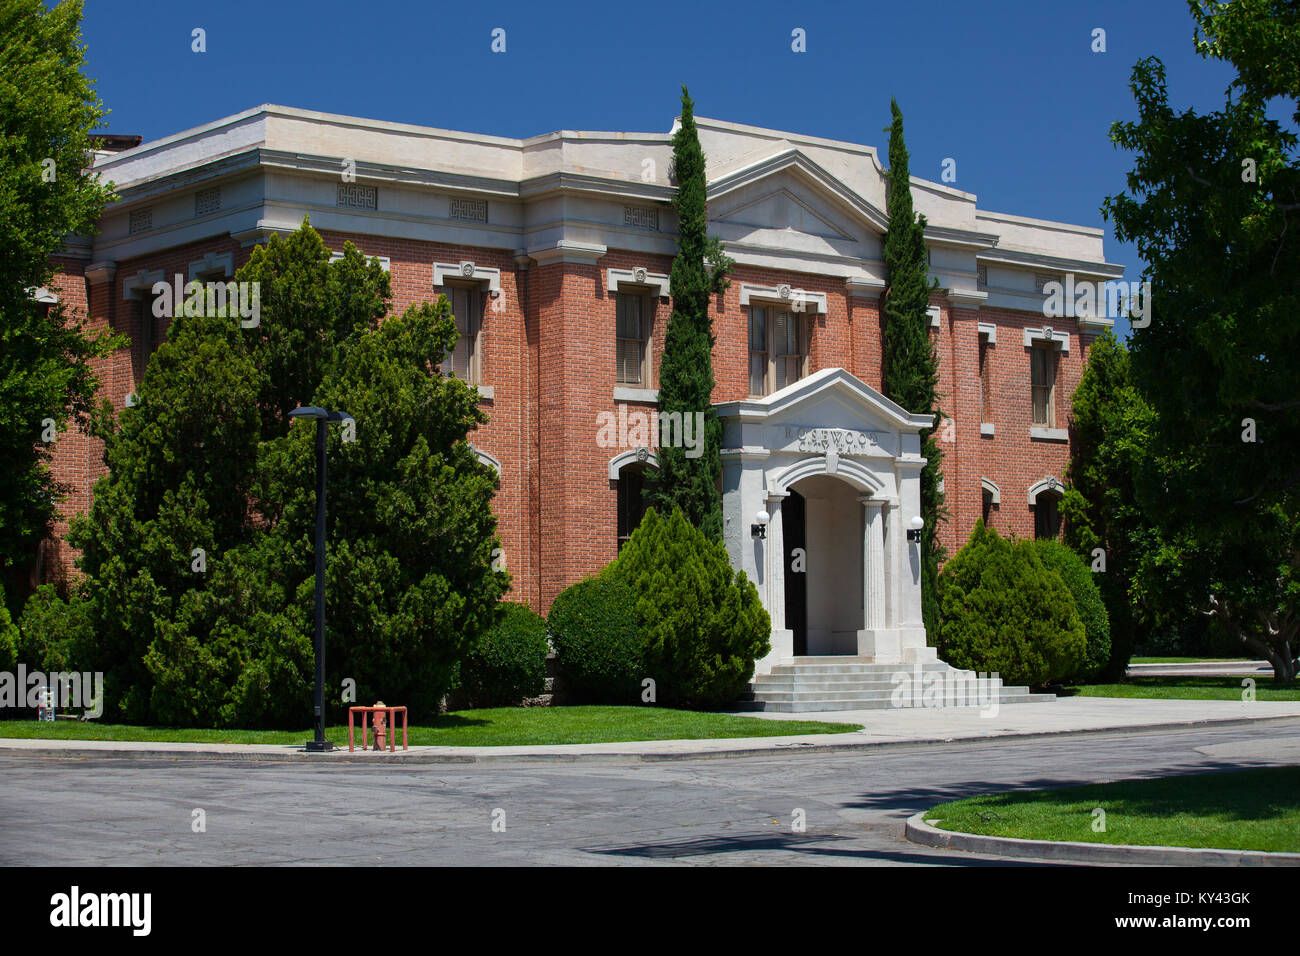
[[630, 342], [467, 307], [1047, 516], [1044, 380], [986, 382], [778, 349], [758, 350], [788, 349], [633, 483]]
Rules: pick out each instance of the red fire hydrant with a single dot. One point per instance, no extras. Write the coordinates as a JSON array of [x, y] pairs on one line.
[[381, 726]]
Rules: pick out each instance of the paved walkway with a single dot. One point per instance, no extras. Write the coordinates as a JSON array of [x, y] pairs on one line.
[[881, 727]]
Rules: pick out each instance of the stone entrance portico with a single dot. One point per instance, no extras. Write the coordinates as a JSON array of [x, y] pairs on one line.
[[853, 458]]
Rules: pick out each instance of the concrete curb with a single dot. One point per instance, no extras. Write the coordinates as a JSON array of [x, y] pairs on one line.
[[758, 747], [918, 831]]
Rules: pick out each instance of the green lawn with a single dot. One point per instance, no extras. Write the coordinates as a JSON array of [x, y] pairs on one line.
[[1184, 660], [1186, 688], [497, 727], [1238, 810]]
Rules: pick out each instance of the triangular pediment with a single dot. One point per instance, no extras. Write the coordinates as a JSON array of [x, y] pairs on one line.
[[831, 398], [787, 190]]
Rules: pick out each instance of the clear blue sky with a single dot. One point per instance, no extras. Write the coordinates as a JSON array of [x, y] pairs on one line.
[[1010, 89]]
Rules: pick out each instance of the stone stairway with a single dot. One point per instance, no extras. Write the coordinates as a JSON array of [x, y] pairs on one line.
[[809, 684]]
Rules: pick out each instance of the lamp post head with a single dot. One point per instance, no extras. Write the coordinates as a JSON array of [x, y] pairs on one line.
[[319, 414], [759, 528], [914, 529]]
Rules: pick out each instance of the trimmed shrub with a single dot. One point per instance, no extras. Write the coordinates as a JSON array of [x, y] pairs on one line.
[[701, 622], [1004, 612], [1088, 601], [509, 661], [597, 645], [54, 631]]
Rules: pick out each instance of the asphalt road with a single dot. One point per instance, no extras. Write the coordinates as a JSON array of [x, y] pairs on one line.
[[117, 811]]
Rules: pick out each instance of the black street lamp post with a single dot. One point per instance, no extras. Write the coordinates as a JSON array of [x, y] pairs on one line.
[[322, 418]]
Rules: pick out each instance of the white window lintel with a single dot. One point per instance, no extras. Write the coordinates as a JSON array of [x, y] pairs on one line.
[[468, 271], [799, 300], [637, 276]]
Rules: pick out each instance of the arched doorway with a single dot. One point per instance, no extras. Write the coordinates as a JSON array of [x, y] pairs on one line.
[[824, 601]]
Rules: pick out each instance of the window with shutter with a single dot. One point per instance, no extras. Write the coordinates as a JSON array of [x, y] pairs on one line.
[[789, 355], [1044, 373], [463, 359], [629, 351], [758, 350]]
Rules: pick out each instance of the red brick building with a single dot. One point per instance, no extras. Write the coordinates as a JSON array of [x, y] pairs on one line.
[[555, 251]]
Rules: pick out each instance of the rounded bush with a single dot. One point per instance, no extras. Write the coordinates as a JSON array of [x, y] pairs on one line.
[[701, 621], [597, 643], [1004, 612], [509, 662], [1088, 601]]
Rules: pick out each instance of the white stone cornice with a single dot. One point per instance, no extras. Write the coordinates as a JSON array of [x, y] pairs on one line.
[[799, 300], [967, 298], [637, 276], [864, 286], [989, 332], [98, 273], [568, 250], [1095, 325], [469, 272], [384, 262], [935, 315]]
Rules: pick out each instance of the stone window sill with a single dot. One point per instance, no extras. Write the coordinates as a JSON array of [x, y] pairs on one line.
[[986, 430], [628, 393], [1037, 433]]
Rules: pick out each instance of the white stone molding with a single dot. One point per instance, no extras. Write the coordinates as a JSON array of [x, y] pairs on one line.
[[935, 315], [133, 287], [1039, 433], [850, 469], [468, 272], [637, 276], [967, 298], [864, 286], [43, 296], [799, 300], [487, 459], [1095, 325], [995, 493], [989, 332], [569, 250], [212, 262], [987, 430], [632, 456], [384, 262], [1048, 484], [1048, 334], [98, 273], [625, 393]]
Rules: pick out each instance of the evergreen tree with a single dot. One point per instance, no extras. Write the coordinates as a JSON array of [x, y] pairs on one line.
[[910, 370], [686, 370], [47, 111], [197, 550]]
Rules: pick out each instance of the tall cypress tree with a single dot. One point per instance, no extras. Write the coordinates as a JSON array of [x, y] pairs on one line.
[[910, 370], [686, 370]]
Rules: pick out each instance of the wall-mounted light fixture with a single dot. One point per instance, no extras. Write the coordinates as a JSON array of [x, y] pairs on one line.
[[914, 532], [759, 530]]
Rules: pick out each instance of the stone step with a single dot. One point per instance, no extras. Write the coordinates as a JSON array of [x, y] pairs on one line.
[[848, 688], [813, 706], [886, 695], [886, 669]]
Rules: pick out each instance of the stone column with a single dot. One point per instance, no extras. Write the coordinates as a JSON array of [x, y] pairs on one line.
[[776, 568], [873, 565]]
